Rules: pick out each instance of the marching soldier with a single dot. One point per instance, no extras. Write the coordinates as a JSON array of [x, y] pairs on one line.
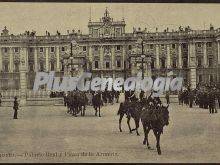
[[15, 107]]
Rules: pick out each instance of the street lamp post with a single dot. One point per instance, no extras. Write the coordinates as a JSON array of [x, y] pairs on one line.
[[142, 58], [71, 58]]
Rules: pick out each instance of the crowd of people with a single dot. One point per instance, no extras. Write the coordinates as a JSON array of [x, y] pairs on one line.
[[206, 97]]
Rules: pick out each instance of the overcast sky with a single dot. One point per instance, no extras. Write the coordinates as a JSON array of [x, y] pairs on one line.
[[40, 17]]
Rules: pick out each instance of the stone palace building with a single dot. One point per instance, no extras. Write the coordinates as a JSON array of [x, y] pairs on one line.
[[108, 51]]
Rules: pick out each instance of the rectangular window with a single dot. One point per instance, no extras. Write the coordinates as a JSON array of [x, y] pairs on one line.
[[200, 78], [96, 48], [199, 62], [185, 63], [84, 48], [52, 66], [152, 64], [174, 63], [16, 50], [62, 49], [95, 33], [118, 47], [162, 46], [163, 63], [184, 46], [5, 50], [119, 64], [52, 49], [209, 44], [118, 31], [6, 68], [129, 47], [107, 65], [199, 44], [16, 67], [96, 64], [210, 62], [151, 46], [30, 50], [41, 49], [41, 67], [31, 67]]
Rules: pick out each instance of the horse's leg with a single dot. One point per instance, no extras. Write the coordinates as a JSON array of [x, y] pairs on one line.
[[137, 126], [128, 122], [76, 110], [84, 109], [120, 119], [157, 134], [95, 110], [81, 110], [99, 111]]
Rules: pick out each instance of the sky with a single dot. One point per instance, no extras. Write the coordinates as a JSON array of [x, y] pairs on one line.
[[42, 17]]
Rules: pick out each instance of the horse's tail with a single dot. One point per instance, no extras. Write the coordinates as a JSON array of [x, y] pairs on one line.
[[119, 109]]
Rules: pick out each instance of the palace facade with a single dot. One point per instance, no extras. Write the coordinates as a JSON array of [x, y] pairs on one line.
[[108, 51]]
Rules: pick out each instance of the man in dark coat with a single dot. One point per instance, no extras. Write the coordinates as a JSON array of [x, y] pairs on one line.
[[211, 101], [191, 98], [167, 98], [141, 95], [15, 107]]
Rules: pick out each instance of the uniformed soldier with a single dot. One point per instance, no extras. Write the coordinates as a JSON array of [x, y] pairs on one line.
[[15, 107], [141, 96], [211, 101], [191, 98], [167, 98]]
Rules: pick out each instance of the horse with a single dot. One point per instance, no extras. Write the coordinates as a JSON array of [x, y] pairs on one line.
[[97, 102], [81, 102], [131, 109], [155, 118]]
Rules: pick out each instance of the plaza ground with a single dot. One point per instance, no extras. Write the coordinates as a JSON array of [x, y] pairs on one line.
[[192, 136]]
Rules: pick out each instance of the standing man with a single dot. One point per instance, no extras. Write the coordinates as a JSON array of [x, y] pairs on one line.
[[191, 98], [0, 99], [141, 96], [15, 107], [211, 101], [167, 98]]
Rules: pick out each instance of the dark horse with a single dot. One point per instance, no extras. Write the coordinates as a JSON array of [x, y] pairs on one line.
[[130, 109], [81, 102], [155, 118], [97, 102]]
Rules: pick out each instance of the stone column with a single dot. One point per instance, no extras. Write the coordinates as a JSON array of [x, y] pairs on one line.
[[192, 65], [123, 55], [90, 54], [23, 80], [11, 60], [101, 56], [157, 57], [113, 57], [205, 55], [58, 58], [35, 60], [168, 56], [1, 59], [47, 59], [218, 44], [180, 56]]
